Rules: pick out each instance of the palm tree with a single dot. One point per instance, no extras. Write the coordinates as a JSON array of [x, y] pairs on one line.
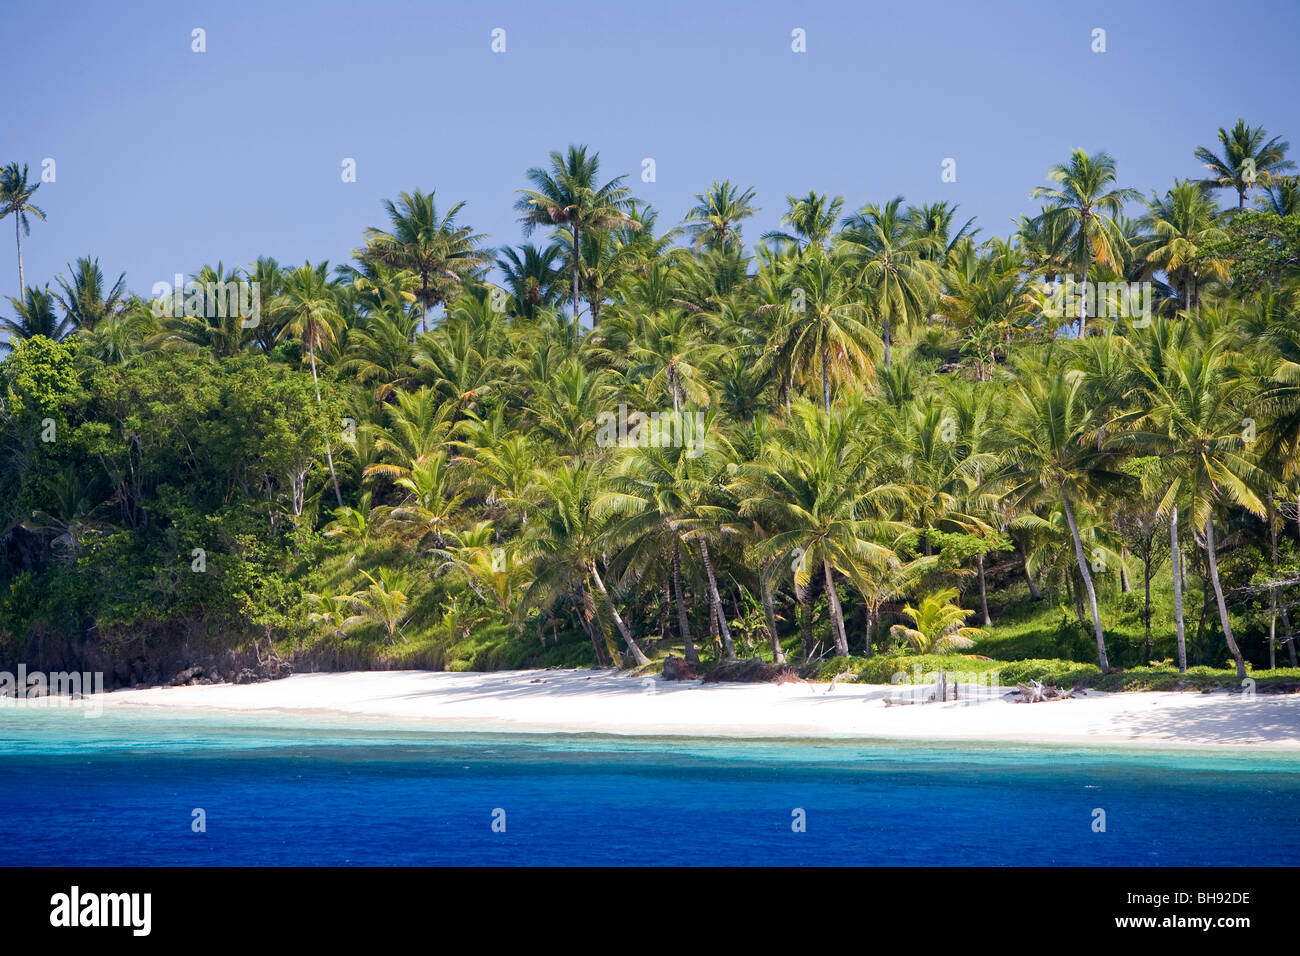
[[567, 196], [432, 247], [1246, 160], [817, 493], [715, 217], [1083, 204], [565, 548], [812, 218], [1050, 451], [1196, 413], [933, 221], [938, 624], [824, 330], [386, 601], [33, 316], [16, 200], [1282, 198], [533, 280], [893, 264], [655, 494], [1184, 221], [84, 299], [308, 310]]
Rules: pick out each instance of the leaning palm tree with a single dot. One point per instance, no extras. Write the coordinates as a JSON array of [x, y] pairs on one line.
[[308, 310], [1247, 160], [714, 219], [1050, 453], [431, 247], [567, 196], [564, 548], [16, 200], [1084, 202]]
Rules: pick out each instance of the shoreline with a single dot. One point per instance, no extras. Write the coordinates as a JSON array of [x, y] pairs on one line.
[[613, 704]]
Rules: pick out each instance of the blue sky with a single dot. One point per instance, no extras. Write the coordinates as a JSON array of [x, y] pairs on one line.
[[167, 159]]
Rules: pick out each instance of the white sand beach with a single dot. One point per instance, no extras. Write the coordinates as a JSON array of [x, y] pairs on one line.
[[578, 701]]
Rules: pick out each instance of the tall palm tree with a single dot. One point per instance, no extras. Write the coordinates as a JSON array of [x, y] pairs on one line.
[[1247, 160], [1050, 452], [16, 200], [308, 311], [1083, 202], [817, 487], [1196, 413], [715, 217], [432, 247], [894, 264], [567, 196]]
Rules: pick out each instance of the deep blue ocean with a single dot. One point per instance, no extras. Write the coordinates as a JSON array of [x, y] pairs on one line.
[[123, 788]]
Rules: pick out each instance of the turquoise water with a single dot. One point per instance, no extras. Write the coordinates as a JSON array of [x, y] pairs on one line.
[[122, 789]]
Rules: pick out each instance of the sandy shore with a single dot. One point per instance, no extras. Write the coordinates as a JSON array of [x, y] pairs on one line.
[[606, 702]]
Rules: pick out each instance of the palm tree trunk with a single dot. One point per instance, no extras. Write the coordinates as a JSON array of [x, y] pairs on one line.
[[984, 594], [1146, 611], [1176, 567], [637, 654], [1289, 638], [715, 602], [18, 238], [1087, 582], [586, 618], [806, 625], [329, 453], [769, 613], [1083, 298], [683, 620], [826, 381], [887, 338], [1272, 591], [1124, 584], [1034, 593], [575, 275], [837, 612], [1218, 596]]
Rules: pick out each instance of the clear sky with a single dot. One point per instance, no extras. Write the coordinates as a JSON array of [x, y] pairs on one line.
[[167, 159]]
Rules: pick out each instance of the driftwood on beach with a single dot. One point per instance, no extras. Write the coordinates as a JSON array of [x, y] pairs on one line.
[[1035, 692]]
